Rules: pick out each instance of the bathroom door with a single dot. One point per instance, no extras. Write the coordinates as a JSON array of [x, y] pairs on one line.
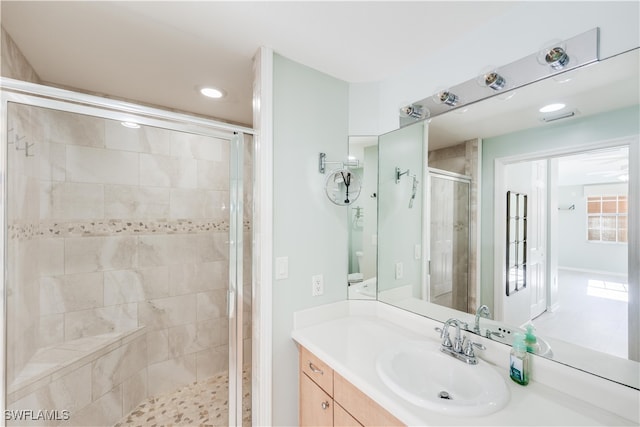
[[537, 238]]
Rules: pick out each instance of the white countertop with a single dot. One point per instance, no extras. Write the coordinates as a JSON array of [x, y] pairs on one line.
[[348, 336]]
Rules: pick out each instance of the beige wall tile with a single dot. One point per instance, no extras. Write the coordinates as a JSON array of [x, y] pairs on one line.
[[51, 330], [212, 247], [192, 278], [166, 312], [51, 257], [157, 345], [72, 292], [89, 254], [71, 392], [146, 139], [165, 171], [96, 165], [211, 362], [166, 249], [213, 175], [72, 201], [73, 129], [105, 411], [199, 147], [212, 304], [118, 365], [133, 202], [167, 376], [134, 390], [116, 318], [123, 286]]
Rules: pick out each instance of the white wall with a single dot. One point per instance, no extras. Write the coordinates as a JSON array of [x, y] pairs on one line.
[[522, 30], [574, 251], [310, 113]]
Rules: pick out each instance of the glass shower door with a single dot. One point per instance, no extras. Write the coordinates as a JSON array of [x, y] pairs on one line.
[[449, 240], [124, 267]]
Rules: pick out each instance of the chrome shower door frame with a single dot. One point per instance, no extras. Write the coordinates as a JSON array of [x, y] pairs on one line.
[[48, 97]]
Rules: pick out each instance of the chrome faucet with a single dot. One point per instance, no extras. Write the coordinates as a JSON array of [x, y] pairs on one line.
[[483, 311], [462, 347]]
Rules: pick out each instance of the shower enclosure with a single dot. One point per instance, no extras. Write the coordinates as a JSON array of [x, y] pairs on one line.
[[448, 278], [126, 291]]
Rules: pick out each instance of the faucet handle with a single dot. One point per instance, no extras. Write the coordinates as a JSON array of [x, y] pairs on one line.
[[468, 347], [489, 334], [444, 334]]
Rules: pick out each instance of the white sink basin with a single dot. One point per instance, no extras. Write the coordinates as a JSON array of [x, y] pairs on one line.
[[421, 374]]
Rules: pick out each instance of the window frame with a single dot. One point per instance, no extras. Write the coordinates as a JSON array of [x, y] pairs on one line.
[[621, 211]]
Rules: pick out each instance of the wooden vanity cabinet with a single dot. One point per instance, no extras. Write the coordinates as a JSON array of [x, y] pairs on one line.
[[327, 399]]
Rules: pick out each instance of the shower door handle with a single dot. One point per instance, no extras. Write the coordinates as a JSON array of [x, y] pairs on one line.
[[231, 303]]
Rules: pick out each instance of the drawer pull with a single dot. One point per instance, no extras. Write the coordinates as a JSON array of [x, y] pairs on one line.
[[325, 405], [315, 369]]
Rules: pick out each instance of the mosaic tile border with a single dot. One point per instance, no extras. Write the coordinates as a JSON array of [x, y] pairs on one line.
[[117, 227]]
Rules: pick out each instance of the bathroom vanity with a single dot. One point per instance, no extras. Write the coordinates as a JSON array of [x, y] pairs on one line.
[[326, 398], [340, 383]]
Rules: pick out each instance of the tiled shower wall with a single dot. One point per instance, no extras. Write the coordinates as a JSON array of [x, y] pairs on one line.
[[112, 228], [464, 159]]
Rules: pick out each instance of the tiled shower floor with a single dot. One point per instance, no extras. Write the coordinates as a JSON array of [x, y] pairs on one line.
[[200, 404]]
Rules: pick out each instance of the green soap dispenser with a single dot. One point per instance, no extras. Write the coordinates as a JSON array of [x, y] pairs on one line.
[[530, 340], [519, 361]]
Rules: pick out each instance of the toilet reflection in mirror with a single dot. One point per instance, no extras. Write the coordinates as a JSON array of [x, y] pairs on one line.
[[362, 220]]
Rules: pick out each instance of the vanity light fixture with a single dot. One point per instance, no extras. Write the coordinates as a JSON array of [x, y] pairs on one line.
[[556, 58], [446, 97], [212, 92], [130, 125], [415, 111], [494, 81], [550, 108]]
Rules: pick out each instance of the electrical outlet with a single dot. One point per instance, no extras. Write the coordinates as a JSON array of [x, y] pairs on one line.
[[317, 285], [399, 270]]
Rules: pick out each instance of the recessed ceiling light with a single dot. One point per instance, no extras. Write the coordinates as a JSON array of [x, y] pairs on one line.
[[131, 125], [551, 108], [212, 92]]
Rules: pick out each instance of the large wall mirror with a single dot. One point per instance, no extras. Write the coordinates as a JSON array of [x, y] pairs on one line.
[[442, 239]]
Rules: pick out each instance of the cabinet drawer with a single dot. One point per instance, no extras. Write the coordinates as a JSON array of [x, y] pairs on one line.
[[318, 371], [360, 406], [316, 406]]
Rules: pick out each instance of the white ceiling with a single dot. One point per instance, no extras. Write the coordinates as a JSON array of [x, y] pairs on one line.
[[595, 167], [158, 52]]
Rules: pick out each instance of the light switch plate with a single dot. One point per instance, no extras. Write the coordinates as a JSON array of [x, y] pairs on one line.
[[282, 268]]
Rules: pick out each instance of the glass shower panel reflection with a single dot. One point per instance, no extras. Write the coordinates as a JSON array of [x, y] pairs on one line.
[[117, 270], [449, 241]]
